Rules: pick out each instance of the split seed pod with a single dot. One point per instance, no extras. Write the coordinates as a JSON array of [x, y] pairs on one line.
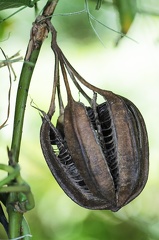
[[97, 154], [110, 153], [98, 170]]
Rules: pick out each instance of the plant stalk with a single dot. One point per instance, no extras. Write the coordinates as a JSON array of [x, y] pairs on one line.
[[38, 34], [31, 57]]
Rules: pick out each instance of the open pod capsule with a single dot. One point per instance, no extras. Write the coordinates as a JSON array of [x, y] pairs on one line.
[[98, 153]]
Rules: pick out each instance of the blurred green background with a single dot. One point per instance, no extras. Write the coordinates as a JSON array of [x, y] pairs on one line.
[[129, 67]]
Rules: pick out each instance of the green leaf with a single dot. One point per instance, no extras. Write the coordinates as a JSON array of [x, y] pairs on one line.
[[99, 3], [127, 10], [5, 4]]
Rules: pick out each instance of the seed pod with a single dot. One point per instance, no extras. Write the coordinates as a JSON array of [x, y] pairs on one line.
[[99, 169], [97, 154], [63, 167], [114, 169]]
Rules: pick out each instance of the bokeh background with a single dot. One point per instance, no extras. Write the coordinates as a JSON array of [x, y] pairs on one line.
[[128, 67]]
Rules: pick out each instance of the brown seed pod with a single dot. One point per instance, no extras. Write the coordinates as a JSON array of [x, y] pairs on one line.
[[64, 170], [113, 161], [98, 154], [98, 172]]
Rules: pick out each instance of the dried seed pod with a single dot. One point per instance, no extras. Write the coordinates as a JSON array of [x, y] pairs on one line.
[[113, 162], [63, 167], [98, 172], [97, 154]]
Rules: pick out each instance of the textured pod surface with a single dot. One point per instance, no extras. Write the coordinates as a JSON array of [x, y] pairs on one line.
[[99, 156], [98, 153], [124, 145], [64, 170]]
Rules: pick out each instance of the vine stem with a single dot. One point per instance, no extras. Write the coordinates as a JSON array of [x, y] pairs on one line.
[[38, 34]]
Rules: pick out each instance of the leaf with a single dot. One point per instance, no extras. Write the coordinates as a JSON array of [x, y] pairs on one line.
[[127, 11], [99, 3], [5, 4]]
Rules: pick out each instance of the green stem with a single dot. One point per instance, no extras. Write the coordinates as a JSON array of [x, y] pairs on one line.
[[21, 99], [15, 219], [38, 34], [26, 75]]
